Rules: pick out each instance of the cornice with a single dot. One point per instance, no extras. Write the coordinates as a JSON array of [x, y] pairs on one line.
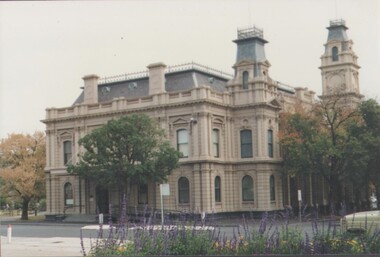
[[157, 107], [132, 110]]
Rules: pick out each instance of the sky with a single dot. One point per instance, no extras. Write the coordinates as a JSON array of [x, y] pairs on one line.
[[47, 47]]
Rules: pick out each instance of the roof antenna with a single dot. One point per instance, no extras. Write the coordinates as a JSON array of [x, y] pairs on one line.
[[336, 9], [249, 12]]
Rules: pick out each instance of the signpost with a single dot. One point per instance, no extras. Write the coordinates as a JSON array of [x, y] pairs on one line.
[[299, 204], [164, 190]]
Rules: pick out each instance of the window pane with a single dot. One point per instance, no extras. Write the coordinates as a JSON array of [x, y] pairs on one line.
[[270, 143], [143, 194], [67, 152], [182, 142], [247, 190], [246, 143], [335, 53], [183, 190], [68, 193], [182, 136], [184, 149], [246, 136], [218, 197], [215, 142], [272, 188], [245, 80]]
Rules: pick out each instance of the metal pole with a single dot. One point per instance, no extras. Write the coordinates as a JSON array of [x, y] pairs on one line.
[[162, 207], [9, 233], [300, 211], [0, 237], [299, 204]]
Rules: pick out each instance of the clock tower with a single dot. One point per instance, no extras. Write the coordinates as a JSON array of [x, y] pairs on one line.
[[339, 68]]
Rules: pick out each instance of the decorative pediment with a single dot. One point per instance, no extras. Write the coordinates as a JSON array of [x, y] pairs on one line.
[[218, 121], [243, 63], [65, 135], [180, 121], [267, 63], [275, 102]]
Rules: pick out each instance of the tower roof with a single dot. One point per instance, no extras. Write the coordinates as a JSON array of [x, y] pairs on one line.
[[337, 30], [250, 43]]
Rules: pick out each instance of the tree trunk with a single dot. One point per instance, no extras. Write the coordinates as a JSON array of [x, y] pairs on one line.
[[25, 207], [335, 194]]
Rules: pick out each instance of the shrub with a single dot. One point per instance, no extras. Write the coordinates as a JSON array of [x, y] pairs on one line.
[[271, 237]]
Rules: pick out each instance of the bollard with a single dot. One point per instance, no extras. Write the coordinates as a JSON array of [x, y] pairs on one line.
[[101, 218], [9, 233]]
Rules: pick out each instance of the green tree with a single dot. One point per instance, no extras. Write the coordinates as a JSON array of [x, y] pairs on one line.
[[22, 163], [126, 151], [364, 148], [316, 141]]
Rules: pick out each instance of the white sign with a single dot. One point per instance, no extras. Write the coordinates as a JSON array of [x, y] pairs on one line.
[[299, 195], [165, 190]]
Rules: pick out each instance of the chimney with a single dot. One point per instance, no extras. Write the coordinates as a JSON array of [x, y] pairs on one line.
[[90, 89], [156, 78]]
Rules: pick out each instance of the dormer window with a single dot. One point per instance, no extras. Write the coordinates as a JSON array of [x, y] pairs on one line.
[[245, 80], [334, 51]]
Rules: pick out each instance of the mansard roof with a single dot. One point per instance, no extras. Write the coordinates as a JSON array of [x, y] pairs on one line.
[[177, 78]]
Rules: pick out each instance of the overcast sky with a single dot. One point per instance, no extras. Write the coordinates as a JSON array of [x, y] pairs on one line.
[[47, 47]]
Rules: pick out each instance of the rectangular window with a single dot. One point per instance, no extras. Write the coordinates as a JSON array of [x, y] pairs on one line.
[[215, 142], [270, 143], [218, 197], [272, 188], [67, 152], [182, 142], [246, 144]]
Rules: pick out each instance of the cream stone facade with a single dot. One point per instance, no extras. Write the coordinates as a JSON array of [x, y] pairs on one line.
[[225, 126]]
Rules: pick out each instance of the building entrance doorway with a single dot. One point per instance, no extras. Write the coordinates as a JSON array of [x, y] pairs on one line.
[[102, 200]]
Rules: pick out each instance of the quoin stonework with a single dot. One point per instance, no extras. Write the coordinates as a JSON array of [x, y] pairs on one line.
[[226, 127]]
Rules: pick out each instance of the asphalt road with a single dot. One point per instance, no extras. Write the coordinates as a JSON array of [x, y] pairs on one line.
[[44, 229], [60, 239]]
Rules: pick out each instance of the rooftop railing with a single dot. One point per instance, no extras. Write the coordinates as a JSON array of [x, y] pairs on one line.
[[199, 67], [168, 70], [339, 22], [123, 77], [250, 32]]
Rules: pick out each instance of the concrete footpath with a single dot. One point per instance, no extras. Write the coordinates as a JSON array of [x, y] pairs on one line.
[[42, 247]]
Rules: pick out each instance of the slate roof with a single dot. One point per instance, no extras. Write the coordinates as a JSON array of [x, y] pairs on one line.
[[337, 31], [177, 80]]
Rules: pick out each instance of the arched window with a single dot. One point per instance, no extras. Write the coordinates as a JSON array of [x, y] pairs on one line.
[[246, 143], [270, 143], [272, 188], [183, 190], [245, 80], [247, 188], [68, 193], [218, 196], [67, 152], [335, 56], [183, 142], [215, 142]]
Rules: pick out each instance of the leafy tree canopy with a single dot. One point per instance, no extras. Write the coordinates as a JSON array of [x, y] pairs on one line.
[[316, 142], [131, 149], [22, 163]]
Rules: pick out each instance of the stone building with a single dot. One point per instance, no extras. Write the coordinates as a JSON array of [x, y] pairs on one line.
[[225, 125], [340, 82]]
